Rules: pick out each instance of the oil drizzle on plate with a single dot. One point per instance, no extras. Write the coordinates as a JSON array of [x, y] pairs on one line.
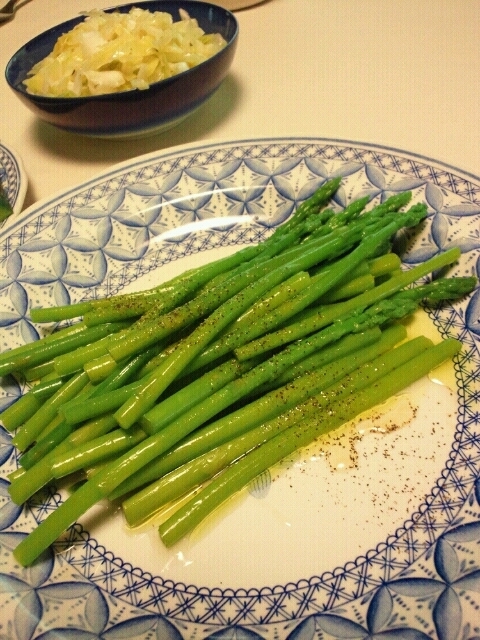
[[421, 324], [339, 448]]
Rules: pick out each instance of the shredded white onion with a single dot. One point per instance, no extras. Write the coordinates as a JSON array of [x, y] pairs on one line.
[[111, 52]]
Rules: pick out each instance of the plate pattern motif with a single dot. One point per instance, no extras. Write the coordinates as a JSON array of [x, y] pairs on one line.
[[423, 581]]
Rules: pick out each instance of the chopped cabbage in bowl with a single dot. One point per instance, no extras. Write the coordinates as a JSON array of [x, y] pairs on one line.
[[112, 52]]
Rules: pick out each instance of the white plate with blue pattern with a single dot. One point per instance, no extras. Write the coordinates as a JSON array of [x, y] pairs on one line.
[[13, 177], [386, 546]]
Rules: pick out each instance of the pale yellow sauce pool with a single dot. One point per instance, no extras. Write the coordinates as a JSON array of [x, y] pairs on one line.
[[339, 448]]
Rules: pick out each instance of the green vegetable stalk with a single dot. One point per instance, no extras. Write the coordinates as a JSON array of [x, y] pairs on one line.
[[112, 475], [248, 467], [6, 209]]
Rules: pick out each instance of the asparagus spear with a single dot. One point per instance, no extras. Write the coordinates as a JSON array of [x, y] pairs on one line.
[[25, 484], [34, 425], [24, 408], [329, 313], [43, 350], [104, 447]]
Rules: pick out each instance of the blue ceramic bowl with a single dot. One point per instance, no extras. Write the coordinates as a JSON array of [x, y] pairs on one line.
[[131, 113]]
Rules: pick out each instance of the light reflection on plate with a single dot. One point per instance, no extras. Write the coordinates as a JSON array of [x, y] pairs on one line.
[[202, 225], [307, 552]]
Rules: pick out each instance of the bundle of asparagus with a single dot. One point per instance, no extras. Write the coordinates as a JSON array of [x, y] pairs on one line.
[[214, 376]]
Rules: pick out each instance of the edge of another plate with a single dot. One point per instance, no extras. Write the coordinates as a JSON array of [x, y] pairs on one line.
[[13, 176]]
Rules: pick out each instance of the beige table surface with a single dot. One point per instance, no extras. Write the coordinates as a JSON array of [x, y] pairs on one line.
[[402, 74]]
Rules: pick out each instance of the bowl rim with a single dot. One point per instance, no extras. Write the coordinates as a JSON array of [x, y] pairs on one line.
[[19, 88]]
